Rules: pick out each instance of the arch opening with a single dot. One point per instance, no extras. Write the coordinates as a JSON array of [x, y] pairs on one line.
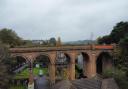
[[103, 62], [82, 65], [18, 63], [41, 70], [62, 66], [41, 66]]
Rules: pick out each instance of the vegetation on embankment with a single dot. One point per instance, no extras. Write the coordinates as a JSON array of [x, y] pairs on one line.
[[119, 35], [5, 73]]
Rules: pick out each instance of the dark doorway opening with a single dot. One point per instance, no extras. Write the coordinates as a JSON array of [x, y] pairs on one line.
[[103, 62]]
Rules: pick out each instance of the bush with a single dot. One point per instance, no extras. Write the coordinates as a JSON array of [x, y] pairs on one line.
[[108, 73], [118, 75], [121, 79]]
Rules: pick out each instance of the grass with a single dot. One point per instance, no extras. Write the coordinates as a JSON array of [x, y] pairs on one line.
[[22, 75], [17, 87], [25, 73], [36, 71]]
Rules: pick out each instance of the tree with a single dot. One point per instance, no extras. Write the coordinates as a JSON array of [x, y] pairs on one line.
[[52, 41], [124, 53], [124, 45], [119, 31], [9, 37], [105, 40], [5, 74]]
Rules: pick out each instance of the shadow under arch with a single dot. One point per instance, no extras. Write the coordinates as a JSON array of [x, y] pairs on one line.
[[46, 56], [68, 58], [82, 65], [103, 62], [19, 62], [18, 55]]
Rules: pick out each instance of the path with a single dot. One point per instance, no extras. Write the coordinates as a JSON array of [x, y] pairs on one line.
[[42, 83]]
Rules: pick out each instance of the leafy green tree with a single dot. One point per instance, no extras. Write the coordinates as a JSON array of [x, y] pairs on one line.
[[124, 45], [105, 40], [5, 73], [9, 37], [118, 32], [124, 54]]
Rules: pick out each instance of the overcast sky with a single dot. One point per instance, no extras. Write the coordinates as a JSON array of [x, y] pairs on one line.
[[69, 19]]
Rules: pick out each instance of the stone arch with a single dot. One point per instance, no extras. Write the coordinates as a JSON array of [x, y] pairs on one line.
[[19, 55], [70, 61], [62, 65], [46, 58], [42, 54], [103, 62], [68, 57], [83, 60], [19, 60], [42, 62]]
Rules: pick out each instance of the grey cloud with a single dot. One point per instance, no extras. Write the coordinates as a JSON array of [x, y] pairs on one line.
[[70, 19]]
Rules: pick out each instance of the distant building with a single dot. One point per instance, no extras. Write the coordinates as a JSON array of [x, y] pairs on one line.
[[40, 41], [37, 41]]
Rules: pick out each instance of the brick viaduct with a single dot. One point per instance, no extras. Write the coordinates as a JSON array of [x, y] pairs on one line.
[[92, 52]]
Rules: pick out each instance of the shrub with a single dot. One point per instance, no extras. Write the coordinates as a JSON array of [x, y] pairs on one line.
[[118, 75], [108, 73]]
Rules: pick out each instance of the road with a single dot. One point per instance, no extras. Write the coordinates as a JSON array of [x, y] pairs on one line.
[[42, 83], [20, 68]]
